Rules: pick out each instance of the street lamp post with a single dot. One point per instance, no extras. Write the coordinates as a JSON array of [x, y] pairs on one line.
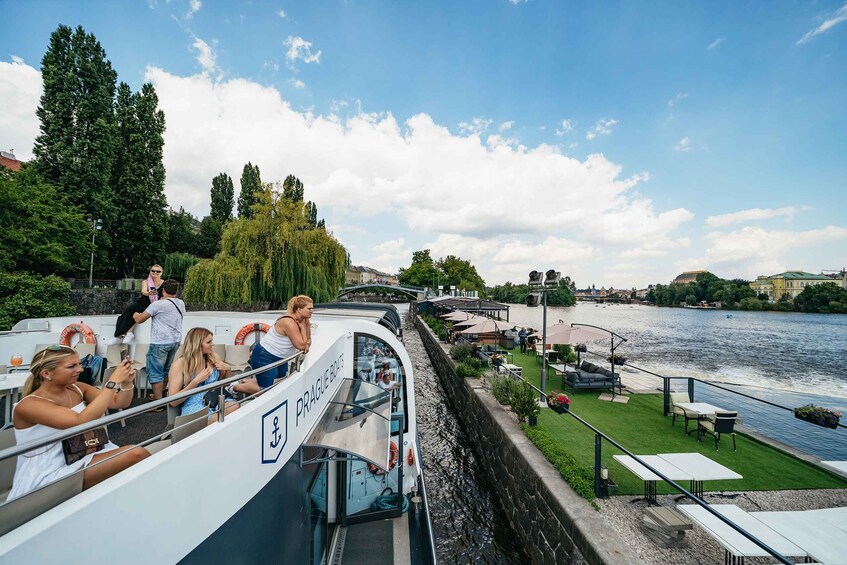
[[95, 226], [549, 282]]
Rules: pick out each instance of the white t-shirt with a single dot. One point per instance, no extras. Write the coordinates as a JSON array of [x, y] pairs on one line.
[[166, 320]]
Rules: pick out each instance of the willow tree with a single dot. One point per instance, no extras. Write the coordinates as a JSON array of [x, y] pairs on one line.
[[270, 257]]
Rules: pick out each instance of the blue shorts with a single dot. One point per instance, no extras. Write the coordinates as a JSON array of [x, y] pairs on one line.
[[259, 358], [159, 359]]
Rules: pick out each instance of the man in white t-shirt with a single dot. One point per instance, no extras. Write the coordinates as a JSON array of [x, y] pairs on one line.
[[165, 334]]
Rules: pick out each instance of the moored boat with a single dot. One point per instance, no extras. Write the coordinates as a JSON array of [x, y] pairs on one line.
[[291, 476]]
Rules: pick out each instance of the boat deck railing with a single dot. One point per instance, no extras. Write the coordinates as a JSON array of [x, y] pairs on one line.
[[295, 362], [599, 436]]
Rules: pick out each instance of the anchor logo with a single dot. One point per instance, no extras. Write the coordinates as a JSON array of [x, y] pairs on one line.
[[277, 437], [274, 433]]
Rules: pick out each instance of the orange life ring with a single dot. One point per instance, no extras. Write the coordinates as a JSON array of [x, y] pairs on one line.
[[248, 329], [86, 334], [392, 462]]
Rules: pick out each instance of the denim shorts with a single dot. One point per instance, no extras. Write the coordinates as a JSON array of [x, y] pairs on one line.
[[259, 358], [159, 359]]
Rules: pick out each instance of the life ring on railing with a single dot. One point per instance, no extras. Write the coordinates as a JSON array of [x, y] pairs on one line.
[[392, 462], [86, 334], [248, 329]]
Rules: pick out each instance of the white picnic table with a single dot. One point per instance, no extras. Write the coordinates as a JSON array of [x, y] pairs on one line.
[[815, 532], [731, 540], [692, 467]]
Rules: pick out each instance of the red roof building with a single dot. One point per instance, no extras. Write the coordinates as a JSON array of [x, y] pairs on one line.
[[7, 159]]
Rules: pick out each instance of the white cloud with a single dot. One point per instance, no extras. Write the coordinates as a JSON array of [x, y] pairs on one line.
[[193, 7], [20, 90], [506, 125], [566, 126], [206, 55], [753, 214], [500, 203], [476, 126], [389, 255], [281, 14], [755, 250], [683, 146], [297, 83], [836, 18], [714, 44], [299, 48], [676, 99], [602, 127]]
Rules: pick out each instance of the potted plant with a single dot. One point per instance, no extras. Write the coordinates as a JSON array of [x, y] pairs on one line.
[[558, 401], [581, 348], [617, 359], [524, 402], [819, 415]]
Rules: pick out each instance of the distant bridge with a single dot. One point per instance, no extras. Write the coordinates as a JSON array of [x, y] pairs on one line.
[[414, 292]]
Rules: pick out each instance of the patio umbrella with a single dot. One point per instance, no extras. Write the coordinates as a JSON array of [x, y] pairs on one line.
[[471, 321], [488, 326], [457, 316], [563, 333]]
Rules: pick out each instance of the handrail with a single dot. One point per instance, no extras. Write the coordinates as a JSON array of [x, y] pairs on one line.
[[709, 383], [131, 412], [684, 491]]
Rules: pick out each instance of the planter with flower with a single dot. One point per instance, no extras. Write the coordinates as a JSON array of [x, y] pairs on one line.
[[558, 401], [819, 415]]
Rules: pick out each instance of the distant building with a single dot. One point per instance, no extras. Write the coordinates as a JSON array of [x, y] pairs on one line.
[[641, 293], [687, 277], [790, 283], [8, 160], [365, 275]]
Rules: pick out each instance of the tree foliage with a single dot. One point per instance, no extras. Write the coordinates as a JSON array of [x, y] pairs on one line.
[[422, 271], [39, 231], [32, 296], [223, 194], [563, 295], [251, 186], [183, 231], [707, 287], [825, 298], [139, 233], [75, 147], [208, 242], [460, 273], [270, 257], [292, 189]]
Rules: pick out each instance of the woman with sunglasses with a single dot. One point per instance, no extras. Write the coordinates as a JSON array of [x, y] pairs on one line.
[[198, 366], [53, 400], [151, 291]]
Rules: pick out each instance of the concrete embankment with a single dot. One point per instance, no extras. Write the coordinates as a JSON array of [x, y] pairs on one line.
[[555, 524]]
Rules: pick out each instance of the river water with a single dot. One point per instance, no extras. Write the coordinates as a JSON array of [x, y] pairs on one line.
[[467, 520], [790, 359]]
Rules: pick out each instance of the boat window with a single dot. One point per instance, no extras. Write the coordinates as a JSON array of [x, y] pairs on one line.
[[377, 362], [318, 514]]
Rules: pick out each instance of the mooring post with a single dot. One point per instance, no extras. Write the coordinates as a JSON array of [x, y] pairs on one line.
[[598, 446]]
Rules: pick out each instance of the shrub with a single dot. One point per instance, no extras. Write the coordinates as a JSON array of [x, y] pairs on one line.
[[580, 477], [460, 352], [524, 401], [476, 363], [501, 389], [442, 335], [177, 264], [466, 371], [32, 296]]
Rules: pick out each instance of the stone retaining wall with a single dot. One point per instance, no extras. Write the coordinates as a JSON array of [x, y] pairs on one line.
[[556, 524], [98, 301]]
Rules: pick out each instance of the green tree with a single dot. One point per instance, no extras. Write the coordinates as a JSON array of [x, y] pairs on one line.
[[270, 257], [75, 147], [223, 195], [422, 271], [209, 238], [251, 186], [827, 297], [140, 231], [461, 273], [182, 232], [39, 232], [292, 189], [32, 296]]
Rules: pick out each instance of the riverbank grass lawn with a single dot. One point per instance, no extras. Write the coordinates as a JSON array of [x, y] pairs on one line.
[[640, 427]]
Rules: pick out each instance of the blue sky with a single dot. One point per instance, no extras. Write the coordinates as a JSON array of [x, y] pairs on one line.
[[618, 142]]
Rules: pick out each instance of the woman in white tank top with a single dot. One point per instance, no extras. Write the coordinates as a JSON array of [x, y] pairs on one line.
[[53, 401], [289, 334]]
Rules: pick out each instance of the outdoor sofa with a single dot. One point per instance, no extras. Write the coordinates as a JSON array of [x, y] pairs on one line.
[[591, 376]]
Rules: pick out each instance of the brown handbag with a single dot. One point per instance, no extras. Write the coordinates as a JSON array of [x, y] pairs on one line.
[[86, 443]]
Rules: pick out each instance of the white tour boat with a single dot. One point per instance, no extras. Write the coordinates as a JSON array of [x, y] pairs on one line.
[[302, 473]]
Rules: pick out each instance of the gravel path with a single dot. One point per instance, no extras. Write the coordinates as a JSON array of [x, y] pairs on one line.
[[624, 517]]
